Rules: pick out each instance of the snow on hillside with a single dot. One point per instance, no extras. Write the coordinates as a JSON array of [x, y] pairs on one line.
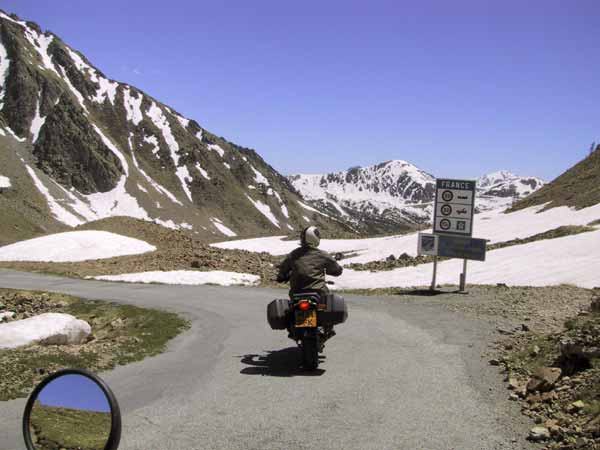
[[492, 225], [186, 277], [74, 246], [571, 260]]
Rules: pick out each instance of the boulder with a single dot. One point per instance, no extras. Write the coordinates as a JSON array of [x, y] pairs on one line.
[[45, 329], [6, 315], [543, 379], [537, 434]]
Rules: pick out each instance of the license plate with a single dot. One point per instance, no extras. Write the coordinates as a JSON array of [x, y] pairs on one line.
[[306, 319]]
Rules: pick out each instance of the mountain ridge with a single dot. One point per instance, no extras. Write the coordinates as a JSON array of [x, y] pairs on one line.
[[394, 195], [95, 148]]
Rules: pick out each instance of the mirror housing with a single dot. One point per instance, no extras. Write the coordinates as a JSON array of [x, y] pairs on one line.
[[114, 437]]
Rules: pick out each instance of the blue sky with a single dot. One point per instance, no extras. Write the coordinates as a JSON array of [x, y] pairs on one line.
[[76, 392], [458, 88]]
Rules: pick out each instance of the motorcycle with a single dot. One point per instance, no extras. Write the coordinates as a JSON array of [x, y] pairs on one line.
[[309, 319]]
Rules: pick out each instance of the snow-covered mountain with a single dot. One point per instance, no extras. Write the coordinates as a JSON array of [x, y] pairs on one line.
[[394, 195], [390, 196], [501, 189], [77, 147]]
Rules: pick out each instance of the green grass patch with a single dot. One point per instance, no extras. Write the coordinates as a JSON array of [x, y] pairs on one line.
[[57, 428], [121, 334]]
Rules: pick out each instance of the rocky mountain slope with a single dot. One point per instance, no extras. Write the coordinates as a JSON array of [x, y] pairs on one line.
[[78, 147], [395, 195], [578, 187]]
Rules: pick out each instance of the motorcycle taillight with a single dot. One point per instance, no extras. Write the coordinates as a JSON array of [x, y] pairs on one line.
[[303, 305]]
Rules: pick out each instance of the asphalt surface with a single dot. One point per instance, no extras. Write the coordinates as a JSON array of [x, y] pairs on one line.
[[401, 373]]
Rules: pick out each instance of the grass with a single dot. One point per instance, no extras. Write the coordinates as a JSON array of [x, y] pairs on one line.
[[55, 427], [121, 334], [578, 187]]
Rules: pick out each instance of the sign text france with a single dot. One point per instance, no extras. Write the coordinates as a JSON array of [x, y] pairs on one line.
[[454, 207]]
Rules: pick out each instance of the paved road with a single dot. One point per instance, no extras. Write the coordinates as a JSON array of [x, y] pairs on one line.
[[400, 374]]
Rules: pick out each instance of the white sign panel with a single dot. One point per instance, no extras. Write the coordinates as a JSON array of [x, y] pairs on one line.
[[454, 207]]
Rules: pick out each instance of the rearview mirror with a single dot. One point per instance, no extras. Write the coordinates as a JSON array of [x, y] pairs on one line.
[[72, 409]]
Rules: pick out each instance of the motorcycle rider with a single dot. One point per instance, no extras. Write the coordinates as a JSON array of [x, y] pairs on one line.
[[305, 268]]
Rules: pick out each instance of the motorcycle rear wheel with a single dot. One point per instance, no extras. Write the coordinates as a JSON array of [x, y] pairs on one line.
[[310, 352]]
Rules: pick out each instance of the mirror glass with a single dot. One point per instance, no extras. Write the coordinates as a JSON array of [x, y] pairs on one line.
[[70, 412]]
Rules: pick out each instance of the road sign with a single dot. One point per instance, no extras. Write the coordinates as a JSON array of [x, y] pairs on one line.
[[448, 246], [454, 207], [461, 247], [428, 244]]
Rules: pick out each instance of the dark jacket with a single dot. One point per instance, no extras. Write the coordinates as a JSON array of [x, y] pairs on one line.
[[305, 269]]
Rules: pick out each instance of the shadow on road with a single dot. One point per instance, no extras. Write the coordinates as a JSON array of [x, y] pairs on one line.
[[278, 363], [424, 292]]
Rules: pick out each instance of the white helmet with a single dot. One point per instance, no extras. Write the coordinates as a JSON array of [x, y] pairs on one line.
[[310, 237]]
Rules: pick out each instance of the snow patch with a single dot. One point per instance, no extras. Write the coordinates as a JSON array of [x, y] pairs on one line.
[[216, 148], [203, 172], [142, 188], [222, 228], [265, 210], [4, 182], [187, 277], [159, 188], [113, 149], [4, 65], [226, 165], [37, 122], [59, 213], [159, 119], [183, 121], [73, 246], [46, 329], [259, 177], [133, 106], [310, 208]]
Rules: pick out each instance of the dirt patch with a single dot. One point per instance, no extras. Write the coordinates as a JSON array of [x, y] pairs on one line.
[[120, 334]]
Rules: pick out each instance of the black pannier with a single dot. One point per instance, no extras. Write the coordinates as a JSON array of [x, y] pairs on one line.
[[336, 311], [277, 313]]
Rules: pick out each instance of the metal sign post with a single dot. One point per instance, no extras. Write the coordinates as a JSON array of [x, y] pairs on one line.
[[453, 211], [463, 278]]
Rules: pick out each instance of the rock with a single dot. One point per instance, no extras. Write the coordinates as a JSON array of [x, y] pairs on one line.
[[517, 385], [524, 327], [535, 350], [502, 285], [117, 323], [5, 316], [543, 379], [537, 434], [494, 362], [576, 406], [504, 331], [390, 258], [595, 306]]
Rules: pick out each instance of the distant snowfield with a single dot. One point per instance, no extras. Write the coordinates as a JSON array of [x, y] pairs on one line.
[[74, 246], [493, 225], [187, 277], [572, 259]]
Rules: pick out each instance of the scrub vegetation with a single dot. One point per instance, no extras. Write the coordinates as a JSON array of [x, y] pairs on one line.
[[120, 334]]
